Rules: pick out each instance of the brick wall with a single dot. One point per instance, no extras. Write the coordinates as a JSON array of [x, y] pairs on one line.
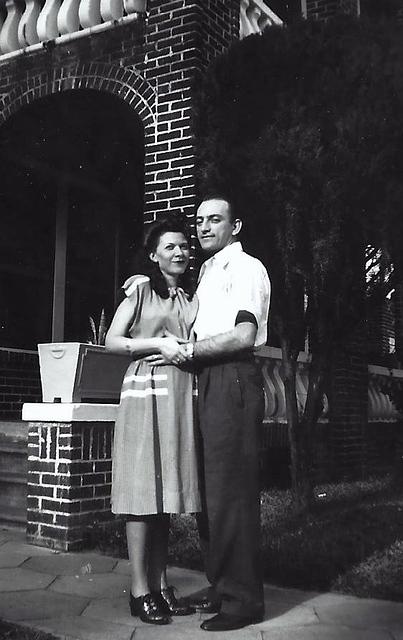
[[180, 40], [69, 481], [381, 330], [348, 411], [324, 9], [151, 64], [19, 382], [398, 305]]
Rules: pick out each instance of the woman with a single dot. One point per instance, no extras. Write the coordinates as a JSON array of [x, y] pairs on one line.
[[154, 461]]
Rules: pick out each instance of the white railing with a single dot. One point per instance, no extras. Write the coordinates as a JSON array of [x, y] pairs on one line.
[[23, 24], [380, 406], [256, 15], [275, 412]]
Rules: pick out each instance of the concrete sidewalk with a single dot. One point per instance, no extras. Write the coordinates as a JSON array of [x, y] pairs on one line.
[[85, 596]]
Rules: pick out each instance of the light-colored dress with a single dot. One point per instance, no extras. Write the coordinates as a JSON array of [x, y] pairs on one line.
[[154, 467]]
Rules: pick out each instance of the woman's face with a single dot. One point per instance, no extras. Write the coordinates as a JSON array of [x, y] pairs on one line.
[[171, 254]]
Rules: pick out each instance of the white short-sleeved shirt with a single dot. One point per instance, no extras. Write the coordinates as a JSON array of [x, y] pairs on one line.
[[229, 282]]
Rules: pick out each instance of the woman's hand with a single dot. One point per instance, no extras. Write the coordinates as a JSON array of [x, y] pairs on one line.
[[172, 351]]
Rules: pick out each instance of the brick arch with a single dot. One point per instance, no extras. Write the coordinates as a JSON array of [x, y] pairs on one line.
[[122, 82]]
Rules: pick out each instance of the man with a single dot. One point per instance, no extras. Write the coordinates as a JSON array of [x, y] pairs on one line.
[[234, 295]]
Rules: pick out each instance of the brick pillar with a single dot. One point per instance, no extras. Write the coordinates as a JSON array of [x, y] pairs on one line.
[[69, 481], [398, 308], [381, 330], [348, 397], [348, 410], [181, 38]]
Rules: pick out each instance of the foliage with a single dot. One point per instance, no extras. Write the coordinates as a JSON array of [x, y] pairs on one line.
[[303, 127], [13, 631], [98, 334], [347, 543], [349, 523], [379, 576]]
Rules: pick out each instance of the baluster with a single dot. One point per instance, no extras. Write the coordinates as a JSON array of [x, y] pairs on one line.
[[270, 394], [254, 14], [9, 33], [244, 24], [89, 13], [67, 18], [373, 402], [27, 31], [325, 409], [280, 391], [301, 387], [111, 9], [3, 16], [135, 6], [263, 22], [47, 21]]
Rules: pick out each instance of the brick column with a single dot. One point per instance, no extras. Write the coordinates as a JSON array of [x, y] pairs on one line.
[[181, 38], [398, 309], [381, 330], [69, 474], [348, 412]]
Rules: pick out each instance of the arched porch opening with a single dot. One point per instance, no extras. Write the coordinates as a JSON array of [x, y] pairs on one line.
[[72, 211]]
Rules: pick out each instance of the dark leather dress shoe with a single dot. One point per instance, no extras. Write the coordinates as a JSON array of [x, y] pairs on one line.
[[172, 605], [148, 609], [229, 622], [204, 604]]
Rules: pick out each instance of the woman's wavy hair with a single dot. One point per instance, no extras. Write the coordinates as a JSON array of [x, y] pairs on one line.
[[144, 265]]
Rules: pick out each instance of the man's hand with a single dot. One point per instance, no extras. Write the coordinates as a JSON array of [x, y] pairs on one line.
[[172, 351]]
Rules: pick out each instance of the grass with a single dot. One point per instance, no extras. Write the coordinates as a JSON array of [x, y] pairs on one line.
[[351, 541], [11, 631]]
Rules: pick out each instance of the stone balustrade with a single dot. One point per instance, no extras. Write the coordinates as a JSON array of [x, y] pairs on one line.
[[380, 406], [275, 410], [256, 15], [25, 23], [31, 22]]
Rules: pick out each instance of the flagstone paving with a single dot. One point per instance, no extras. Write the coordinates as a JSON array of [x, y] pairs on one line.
[[84, 596]]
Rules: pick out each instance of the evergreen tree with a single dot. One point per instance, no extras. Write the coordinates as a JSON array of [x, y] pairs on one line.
[[303, 127]]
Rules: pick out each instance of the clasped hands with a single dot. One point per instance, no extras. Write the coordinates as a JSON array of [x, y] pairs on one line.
[[173, 350]]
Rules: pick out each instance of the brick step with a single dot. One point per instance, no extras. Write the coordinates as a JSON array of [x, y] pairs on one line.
[[13, 457], [13, 473], [13, 518], [13, 496], [12, 477]]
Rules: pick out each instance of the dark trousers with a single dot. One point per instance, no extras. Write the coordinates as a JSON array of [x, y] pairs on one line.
[[230, 415]]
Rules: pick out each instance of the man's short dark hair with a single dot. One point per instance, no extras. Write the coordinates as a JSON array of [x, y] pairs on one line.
[[221, 196]]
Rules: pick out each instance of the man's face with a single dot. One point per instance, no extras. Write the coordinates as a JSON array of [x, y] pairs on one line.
[[215, 229]]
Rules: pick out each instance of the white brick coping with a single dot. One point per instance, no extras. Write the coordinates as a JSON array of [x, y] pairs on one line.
[[68, 412]]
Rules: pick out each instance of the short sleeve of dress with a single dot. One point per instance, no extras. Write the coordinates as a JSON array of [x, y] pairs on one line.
[[135, 289], [133, 286]]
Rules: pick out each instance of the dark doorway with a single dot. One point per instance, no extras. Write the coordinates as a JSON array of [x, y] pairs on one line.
[[71, 209]]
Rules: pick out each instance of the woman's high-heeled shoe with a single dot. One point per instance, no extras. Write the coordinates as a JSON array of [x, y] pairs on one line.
[[171, 605], [148, 609]]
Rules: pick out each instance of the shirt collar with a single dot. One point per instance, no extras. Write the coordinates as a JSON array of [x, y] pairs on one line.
[[222, 257]]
